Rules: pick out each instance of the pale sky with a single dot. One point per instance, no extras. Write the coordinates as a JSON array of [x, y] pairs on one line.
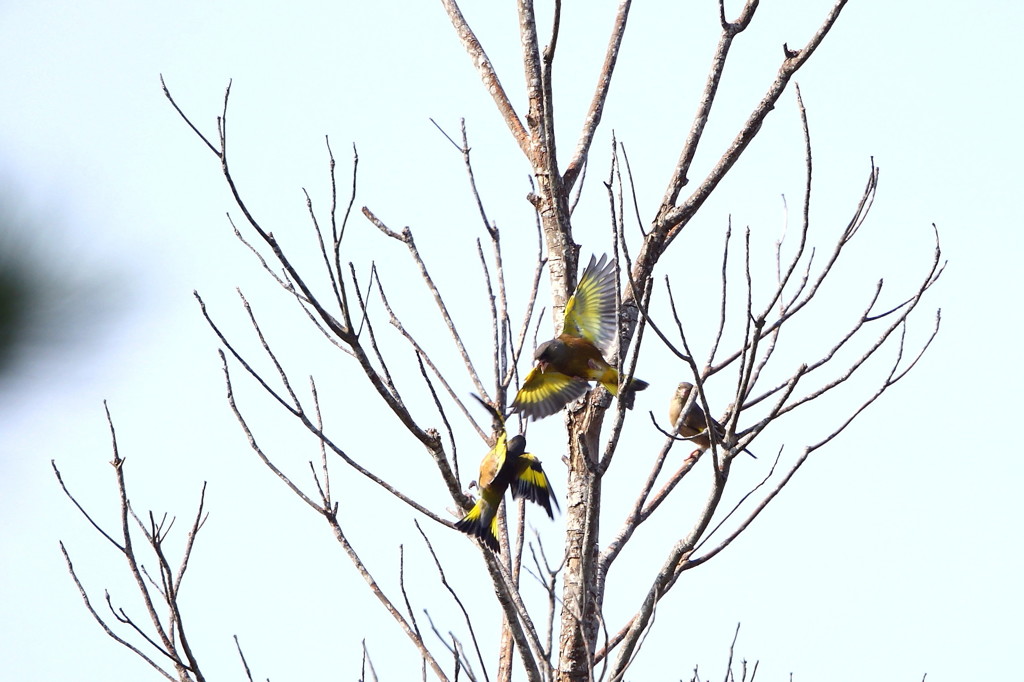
[[894, 552]]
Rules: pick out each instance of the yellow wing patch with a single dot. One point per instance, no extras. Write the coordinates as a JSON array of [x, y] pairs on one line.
[[590, 311], [545, 393], [532, 483]]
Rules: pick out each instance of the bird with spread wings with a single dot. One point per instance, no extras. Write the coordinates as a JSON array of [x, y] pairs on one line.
[[568, 363], [506, 465]]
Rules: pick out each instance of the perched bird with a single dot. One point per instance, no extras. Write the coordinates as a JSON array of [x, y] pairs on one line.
[[693, 425], [506, 464], [567, 364]]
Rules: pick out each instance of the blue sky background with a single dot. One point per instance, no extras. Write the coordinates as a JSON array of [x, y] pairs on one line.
[[894, 552]]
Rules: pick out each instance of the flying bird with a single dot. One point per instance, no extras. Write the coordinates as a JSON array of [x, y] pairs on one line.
[[567, 364], [506, 465], [693, 425]]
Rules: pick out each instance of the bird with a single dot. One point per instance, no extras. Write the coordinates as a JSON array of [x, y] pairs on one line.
[[568, 363], [694, 425], [505, 465]]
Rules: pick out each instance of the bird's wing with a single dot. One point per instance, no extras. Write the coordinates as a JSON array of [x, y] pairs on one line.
[[590, 312], [532, 483], [545, 393], [695, 418]]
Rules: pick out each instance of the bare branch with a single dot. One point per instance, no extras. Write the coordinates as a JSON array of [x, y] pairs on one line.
[[455, 598], [604, 81], [487, 74], [422, 355], [326, 441], [110, 633], [691, 562], [407, 239], [405, 595], [188, 122], [363, 302], [673, 217], [375, 589], [88, 517], [707, 99], [245, 664]]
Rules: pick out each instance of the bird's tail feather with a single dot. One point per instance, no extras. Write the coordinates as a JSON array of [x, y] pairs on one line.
[[482, 523]]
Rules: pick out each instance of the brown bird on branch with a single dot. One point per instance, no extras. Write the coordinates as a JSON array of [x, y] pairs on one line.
[[693, 425], [567, 364]]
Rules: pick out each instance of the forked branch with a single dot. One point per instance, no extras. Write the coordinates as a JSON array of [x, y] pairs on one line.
[[164, 635]]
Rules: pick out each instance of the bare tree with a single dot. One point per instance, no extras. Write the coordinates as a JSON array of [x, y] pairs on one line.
[[578, 644]]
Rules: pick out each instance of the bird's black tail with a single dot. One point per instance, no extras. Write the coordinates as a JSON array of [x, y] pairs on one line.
[[638, 384]]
